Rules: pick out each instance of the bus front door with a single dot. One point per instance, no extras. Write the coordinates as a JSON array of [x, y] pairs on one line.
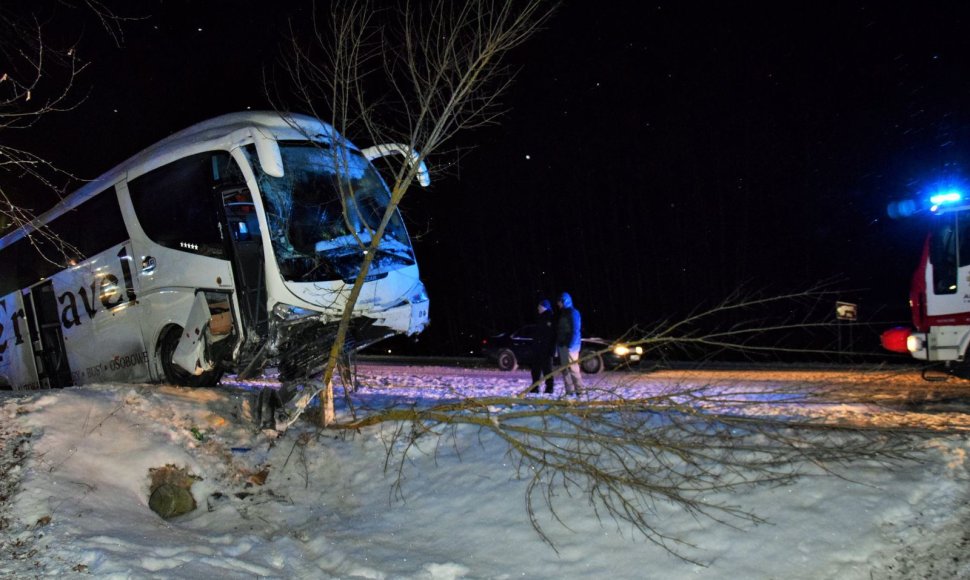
[[47, 337], [246, 247]]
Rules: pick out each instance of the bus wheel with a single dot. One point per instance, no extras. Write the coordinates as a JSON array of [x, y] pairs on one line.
[[175, 374]]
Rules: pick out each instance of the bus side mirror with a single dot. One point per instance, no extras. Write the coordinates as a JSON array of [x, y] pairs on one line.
[[270, 158], [377, 151]]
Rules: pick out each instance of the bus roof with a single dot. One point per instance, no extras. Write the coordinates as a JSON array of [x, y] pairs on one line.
[[223, 132]]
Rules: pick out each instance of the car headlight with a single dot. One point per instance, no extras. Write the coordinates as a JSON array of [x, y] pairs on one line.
[[638, 350], [621, 350]]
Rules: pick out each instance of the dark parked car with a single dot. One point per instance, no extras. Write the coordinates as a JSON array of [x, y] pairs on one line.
[[510, 349]]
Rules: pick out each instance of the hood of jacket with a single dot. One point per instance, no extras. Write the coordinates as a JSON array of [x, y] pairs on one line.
[[566, 299]]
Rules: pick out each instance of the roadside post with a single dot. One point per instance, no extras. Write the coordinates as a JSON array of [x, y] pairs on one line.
[[845, 313]]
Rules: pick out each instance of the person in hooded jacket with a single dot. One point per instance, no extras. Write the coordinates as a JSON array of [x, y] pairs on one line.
[[568, 341], [544, 341]]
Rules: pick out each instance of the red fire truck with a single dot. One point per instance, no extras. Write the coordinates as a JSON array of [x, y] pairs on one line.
[[939, 296]]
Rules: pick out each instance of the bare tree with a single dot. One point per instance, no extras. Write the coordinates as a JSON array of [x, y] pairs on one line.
[[628, 452], [417, 77], [37, 79], [438, 70], [626, 458]]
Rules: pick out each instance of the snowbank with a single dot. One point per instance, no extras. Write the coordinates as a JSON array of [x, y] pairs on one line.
[[311, 505]]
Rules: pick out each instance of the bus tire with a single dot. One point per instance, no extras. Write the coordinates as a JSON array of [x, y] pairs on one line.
[[175, 374]]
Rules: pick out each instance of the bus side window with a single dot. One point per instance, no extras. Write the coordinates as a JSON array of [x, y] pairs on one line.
[[241, 213], [230, 184], [175, 206], [22, 266], [67, 240]]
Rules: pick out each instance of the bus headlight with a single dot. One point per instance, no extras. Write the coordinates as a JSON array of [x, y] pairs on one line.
[[289, 312], [418, 294]]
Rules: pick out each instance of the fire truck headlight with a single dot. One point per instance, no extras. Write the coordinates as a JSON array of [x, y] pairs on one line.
[[914, 343]]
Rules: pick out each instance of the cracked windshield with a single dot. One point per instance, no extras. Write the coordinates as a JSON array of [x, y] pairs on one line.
[[314, 239]]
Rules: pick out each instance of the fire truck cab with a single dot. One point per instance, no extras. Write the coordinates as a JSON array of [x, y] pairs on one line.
[[940, 291]]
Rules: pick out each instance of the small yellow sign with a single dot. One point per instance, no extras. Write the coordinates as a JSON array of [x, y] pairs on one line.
[[846, 310]]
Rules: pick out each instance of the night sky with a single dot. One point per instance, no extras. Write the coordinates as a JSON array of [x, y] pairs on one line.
[[653, 159]]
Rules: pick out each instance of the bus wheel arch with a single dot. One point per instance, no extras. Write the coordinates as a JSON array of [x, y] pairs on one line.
[[168, 340]]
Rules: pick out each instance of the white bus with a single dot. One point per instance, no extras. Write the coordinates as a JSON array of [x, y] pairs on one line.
[[227, 246]]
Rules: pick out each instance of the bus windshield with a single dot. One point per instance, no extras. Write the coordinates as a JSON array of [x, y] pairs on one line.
[[323, 212]]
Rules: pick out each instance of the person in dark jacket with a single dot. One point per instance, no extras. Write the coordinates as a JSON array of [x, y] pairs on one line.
[[568, 342], [544, 346]]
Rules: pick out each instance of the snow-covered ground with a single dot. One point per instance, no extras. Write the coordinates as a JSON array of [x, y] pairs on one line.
[[75, 485]]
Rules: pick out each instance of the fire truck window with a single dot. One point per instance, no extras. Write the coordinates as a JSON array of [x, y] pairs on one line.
[[963, 227], [943, 256]]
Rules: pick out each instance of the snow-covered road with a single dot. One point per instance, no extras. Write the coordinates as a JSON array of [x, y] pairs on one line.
[[877, 396]]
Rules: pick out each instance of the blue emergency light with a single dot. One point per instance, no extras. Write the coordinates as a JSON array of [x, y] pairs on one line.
[[946, 197], [941, 196]]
